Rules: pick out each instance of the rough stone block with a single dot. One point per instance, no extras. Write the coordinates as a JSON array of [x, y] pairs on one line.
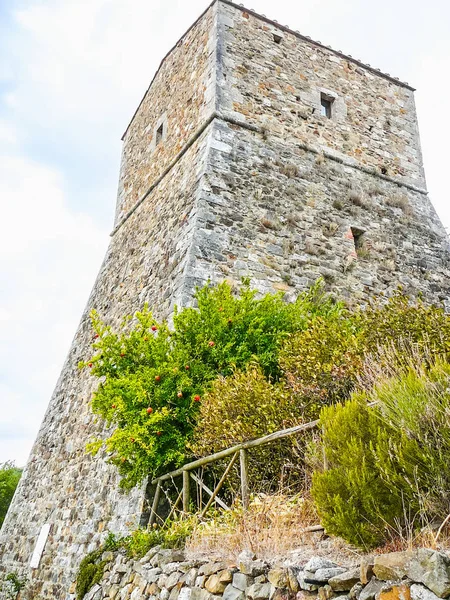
[[345, 581], [392, 566]]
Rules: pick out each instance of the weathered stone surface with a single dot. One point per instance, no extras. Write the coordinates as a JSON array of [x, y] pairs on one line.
[[371, 590], [217, 582], [232, 593], [325, 593], [278, 577], [246, 555], [345, 581], [242, 581], [366, 569], [292, 573], [432, 569], [420, 592], [318, 562], [200, 594], [396, 591], [304, 577], [355, 591], [259, 591], [304, 595], [323, 575], [211, 568], [252, 567], [391, 566]]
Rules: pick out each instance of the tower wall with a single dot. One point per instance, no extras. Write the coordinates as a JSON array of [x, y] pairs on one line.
[[284, 216], [180, 99], [278, 86], [79, 495], [247, 179]]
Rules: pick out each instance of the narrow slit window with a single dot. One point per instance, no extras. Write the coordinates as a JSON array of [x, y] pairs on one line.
[[277, 38], [358, 238], [326, 104], [160, 134]]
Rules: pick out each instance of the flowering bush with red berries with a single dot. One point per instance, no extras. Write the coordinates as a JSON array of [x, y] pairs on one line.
[[153, 378]]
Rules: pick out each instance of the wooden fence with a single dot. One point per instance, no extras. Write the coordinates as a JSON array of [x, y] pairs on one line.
[[188, 472]]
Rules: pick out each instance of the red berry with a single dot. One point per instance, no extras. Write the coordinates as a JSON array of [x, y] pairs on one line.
[[90, 365], [122, 354], [113, 406], [187, 367], [196, 398], [157, 377], [158, 433], [154, 328], [96, 336], [132, 440], [180, 394], [211, 343], [149, 410]]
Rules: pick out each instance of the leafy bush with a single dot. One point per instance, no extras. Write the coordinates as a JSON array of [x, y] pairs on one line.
[[352, 499], [11, 586], [388, 464], [90, 572], [242, 407], [401, 321], [323, 362], [9, 478], [416, 402], [153, 379], [246, 406]]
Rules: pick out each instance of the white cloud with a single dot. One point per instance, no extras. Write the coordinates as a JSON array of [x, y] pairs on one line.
[[49, 255]]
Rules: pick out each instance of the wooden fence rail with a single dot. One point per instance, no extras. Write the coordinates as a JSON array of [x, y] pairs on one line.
[[239, 450]]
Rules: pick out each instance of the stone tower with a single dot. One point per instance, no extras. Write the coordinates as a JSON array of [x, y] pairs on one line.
[[255, 151]]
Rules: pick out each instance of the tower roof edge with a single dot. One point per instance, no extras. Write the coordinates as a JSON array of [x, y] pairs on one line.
[[307, 39], [285, 28]]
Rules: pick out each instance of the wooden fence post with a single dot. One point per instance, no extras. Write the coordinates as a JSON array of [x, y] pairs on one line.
[[155, 503], [243, 454], [186, 492]]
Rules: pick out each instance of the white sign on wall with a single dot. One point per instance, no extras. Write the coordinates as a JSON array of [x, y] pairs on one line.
[[40, 545]]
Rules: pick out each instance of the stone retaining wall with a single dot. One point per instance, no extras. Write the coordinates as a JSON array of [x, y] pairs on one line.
[[168, 575]]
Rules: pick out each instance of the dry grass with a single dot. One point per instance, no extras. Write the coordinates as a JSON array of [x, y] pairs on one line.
[[273, 526]]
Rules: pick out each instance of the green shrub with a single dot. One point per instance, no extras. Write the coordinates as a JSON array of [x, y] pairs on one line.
[[11, 585], [153, 379], [353, 500], [243, 407], [416, 402], [90, 572], [321, 363], [9, 478], [401, 321], [387, 464]]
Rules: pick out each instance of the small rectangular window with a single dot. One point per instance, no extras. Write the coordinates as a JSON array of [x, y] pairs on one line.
[[326, 104], [160, 134], [277, 38]]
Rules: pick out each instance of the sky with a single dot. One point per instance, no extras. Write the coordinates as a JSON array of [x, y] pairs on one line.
[[71, 75]]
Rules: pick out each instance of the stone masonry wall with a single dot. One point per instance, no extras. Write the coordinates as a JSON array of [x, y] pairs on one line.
[[169, 575], [61, 485], [285, 216], [278, 86], [180, 99]]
